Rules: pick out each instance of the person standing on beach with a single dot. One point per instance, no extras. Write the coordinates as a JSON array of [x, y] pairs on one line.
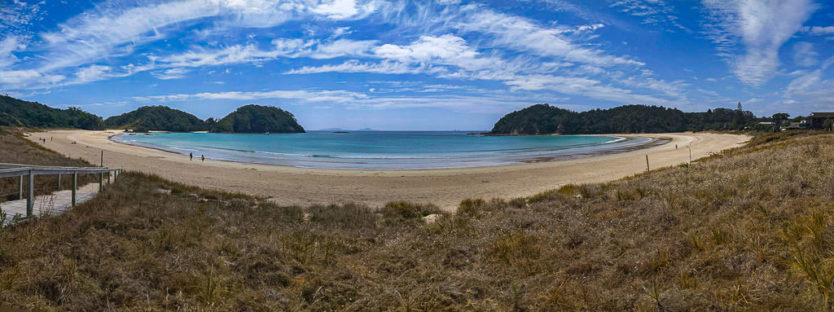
[[191, 156], [203, 157]]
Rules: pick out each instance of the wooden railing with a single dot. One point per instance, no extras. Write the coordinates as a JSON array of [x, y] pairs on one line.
[[21, 170]]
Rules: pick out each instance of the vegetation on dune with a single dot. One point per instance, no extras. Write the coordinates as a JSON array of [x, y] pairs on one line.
[[19, 113], [257, 119], [748, 229], [156, 118], [546, 119], [14, 148]]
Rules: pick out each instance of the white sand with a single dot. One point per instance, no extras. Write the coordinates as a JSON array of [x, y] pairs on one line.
[[443, 187]]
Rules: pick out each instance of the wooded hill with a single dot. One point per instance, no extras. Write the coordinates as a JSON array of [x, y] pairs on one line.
[[546, 119], [160, 118], [19, 113], [257, 119], [246, 119]]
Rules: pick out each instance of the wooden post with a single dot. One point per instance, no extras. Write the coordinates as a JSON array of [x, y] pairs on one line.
[[30, 202], [690, 154], [101, 181], [647, 163], [20, 192], [102, 158], [59, 181], [74, 186]]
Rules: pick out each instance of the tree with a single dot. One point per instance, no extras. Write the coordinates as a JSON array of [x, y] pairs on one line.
[[778, 118]]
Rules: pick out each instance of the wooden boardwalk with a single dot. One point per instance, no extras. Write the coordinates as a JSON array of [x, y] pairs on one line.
[[51, 204]]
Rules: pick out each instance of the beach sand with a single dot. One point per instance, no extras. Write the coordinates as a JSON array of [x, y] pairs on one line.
[[443, 187]]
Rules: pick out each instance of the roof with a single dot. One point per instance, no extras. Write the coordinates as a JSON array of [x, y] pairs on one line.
[[823, 115]]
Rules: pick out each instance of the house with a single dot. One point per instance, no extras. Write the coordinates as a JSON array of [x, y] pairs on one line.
[[817, 120], [796, 125]]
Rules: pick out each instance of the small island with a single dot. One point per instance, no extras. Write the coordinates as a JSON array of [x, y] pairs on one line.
[[256, 119]]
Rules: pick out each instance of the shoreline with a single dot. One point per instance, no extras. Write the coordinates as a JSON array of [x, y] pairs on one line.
[[442, 187], [653, 141]]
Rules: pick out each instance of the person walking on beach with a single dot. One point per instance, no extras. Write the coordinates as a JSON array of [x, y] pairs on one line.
[[191, 156], [203, 157]]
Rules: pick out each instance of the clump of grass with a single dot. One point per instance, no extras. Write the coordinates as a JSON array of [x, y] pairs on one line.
[[405, 212], [516, 249], [346, 216], [471, 207]]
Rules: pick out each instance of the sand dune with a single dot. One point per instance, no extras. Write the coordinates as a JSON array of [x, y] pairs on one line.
[[443, 187]]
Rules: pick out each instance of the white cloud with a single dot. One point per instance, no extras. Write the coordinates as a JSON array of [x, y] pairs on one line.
[[169, 74], [7, 46], [521, 34], [446, 50], [819, 30], [116, 31], [289, 48], [649, 12], [354, 66], [450, 57], [804, 54], [92, 73], [18, 14], [302, 95], [343, 9], [343, 47], [583, 87], [19, 78], [761, 26]]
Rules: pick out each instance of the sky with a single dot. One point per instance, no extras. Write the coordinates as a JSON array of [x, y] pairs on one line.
[[418, 65]]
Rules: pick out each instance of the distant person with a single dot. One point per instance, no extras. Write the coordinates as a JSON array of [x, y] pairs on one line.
[[676, 146], [203, 157], [191, 156]]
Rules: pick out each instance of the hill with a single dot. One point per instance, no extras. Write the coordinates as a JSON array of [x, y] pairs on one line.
[[257, 119], [19, 113], [750, 229], [156, 118], [546, 119]]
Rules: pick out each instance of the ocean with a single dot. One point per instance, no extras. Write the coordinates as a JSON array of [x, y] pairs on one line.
[[380, 149]]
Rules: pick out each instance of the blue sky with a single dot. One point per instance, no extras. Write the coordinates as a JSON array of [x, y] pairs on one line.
[[418, 65]]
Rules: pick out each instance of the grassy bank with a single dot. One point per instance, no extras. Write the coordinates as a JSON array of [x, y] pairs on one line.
[[750, 229], [14, 148]]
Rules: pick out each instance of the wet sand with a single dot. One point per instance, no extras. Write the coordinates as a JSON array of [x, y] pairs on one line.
[[443, 187]]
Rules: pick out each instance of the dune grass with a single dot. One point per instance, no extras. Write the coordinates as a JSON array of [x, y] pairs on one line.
[[17, 149], [749, 229]]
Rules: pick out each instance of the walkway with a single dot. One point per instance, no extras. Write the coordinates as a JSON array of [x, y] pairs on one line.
[[52, 204]]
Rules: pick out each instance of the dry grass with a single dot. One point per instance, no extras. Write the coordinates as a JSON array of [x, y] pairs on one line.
[[750, 229], [17, 149]]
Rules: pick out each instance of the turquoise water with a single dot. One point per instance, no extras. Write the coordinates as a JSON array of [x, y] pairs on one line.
[[379, 149]]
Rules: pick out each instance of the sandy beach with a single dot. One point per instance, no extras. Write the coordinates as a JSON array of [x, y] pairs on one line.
[[443, 187]]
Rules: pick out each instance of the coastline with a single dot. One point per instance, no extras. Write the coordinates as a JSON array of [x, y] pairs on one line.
[[443, 187], [580, 153]]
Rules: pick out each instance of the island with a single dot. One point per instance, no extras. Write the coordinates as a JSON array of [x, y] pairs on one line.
[[256, 119]]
